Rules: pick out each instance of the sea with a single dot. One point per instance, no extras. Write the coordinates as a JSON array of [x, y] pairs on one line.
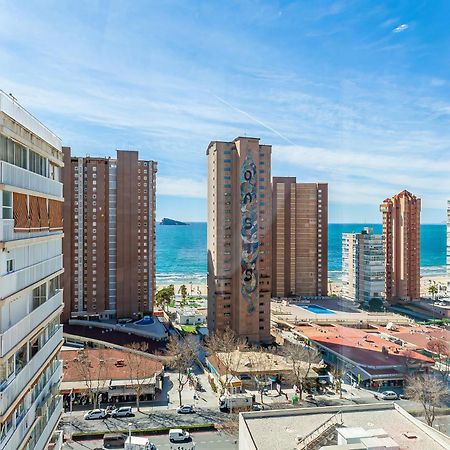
[[181, 255]]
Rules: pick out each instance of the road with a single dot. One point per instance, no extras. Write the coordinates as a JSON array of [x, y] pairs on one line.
[[202, 440], [72, 423]]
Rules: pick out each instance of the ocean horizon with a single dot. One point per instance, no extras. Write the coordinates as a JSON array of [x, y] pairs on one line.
[[181, 253]]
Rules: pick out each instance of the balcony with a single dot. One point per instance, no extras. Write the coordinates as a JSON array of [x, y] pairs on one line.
[[57, 438], [20, 279], [10, 337], [22, 429], [7, 232], [24, 179], [18, 384]]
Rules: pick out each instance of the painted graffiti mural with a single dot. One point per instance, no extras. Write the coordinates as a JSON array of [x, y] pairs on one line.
[[249, 233]]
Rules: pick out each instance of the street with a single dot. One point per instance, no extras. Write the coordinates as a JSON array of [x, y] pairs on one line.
[[202, 440]]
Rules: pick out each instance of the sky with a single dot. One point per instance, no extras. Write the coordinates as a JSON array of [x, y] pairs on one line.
[[355, 93]]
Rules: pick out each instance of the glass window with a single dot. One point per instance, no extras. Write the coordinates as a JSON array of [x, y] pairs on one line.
[[7, 212]]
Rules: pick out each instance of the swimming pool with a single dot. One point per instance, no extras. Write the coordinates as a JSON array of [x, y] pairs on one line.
[[316, 309]]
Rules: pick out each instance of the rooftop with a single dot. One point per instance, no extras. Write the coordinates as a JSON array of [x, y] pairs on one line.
[[10, 106], [279, 430], [365, 347], [116, 367], [251, 362]]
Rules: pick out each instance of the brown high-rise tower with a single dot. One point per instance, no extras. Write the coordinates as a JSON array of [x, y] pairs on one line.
[[300, 238], [401, 234], [109, 236], [239, 238]]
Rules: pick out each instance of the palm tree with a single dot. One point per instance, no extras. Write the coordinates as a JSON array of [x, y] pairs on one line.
[[433, 290]]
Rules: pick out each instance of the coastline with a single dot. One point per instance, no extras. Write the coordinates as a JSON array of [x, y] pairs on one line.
[[198, 287]]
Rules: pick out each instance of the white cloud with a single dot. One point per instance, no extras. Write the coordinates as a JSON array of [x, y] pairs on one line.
[[181, 187], [400, 28]]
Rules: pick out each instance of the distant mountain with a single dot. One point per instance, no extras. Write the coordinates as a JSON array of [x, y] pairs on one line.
[[167, 221]]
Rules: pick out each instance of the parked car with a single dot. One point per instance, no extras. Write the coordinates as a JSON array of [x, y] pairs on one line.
[[123, 411], [404, 396], [257, 407], [178, 435], [387, 395], [185, 409], [95, 414], [114, 440]]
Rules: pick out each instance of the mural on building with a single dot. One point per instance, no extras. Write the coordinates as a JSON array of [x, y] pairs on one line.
[[249, 233]]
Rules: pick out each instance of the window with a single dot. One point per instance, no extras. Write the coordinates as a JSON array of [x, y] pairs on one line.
[[39, 295], [7, 212]]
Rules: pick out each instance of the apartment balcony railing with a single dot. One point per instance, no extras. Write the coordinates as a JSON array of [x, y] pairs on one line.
[[7, 232], [50, 427], [11, 336], [18, 435], [18, 384], [22, 178], [20, 279]]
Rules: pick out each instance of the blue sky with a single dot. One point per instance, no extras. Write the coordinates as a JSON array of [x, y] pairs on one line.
[[351, 92]]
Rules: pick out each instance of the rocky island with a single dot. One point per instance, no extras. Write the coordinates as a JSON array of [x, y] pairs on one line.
[[167, 221]]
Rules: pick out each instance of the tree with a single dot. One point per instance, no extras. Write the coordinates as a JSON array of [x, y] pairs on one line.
[[135, 360], [230, 347], [93, 375], [164, 296], [302, 360], [183, 291], [429, 391], [338, 375], [181, 355], [376, 304], [441, 350], [433, 290]]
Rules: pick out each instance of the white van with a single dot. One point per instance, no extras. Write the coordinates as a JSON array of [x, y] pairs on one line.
[[178, 435]]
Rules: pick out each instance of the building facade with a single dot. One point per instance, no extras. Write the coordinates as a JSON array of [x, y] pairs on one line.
[[299, 238], [31, 264], [239, 238], [109, 236], [448, 246], [401, 236], [363, 266]]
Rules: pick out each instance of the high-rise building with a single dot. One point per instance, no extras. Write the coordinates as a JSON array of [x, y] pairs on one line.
[[239, 238], [363, 266], [109, 236], [299, 238], [448, 246], [31, 264], [401, 235]]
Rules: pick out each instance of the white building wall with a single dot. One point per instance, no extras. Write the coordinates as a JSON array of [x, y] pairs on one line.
[[30, 334]]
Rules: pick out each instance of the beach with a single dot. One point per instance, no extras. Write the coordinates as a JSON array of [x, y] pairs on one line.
[[334, 286]]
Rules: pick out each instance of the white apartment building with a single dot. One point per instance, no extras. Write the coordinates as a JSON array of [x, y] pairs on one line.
[[362, 266], [30, 268]]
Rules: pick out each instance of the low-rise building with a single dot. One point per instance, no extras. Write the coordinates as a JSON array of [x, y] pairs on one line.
[[191, 316], [357, 427], [245, 369], [364, 355], [110, 373]]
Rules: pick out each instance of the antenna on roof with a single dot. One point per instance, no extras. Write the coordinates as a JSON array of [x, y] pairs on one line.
[[12, 96]]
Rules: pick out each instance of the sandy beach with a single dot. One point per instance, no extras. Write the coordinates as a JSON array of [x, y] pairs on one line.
[[335, 287]]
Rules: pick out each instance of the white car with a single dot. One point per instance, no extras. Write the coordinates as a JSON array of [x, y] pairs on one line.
[[95, 414], [185, 409], [387, 395], [123, 411]]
